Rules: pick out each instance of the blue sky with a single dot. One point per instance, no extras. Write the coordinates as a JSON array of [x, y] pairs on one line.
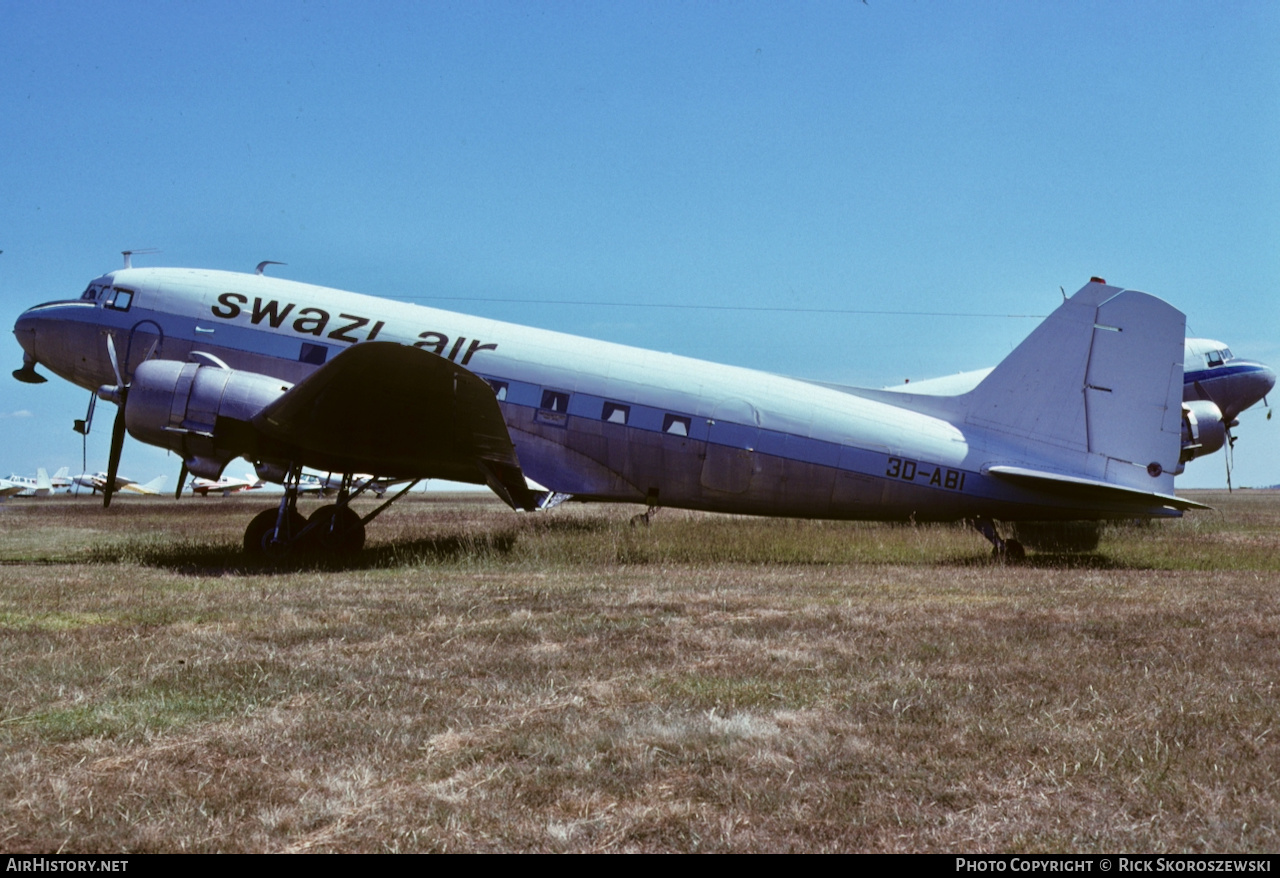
[[931, 159]]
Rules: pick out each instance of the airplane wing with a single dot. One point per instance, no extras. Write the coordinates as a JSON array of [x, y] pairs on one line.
[[402, 413]]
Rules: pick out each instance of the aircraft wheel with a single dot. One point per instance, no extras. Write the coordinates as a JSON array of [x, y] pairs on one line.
[[258, 535], [336, 529]]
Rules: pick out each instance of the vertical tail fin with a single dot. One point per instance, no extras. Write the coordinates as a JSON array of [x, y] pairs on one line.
[[1096, 388], [155, 486]]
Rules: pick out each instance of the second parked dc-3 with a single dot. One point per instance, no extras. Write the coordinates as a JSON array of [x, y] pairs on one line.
[[1082, 421]]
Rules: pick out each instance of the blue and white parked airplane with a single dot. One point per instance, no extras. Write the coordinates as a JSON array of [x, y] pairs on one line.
[[1084, 420]]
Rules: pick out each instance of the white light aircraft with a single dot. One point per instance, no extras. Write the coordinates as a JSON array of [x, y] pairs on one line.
[[99, 482], [1082, 421], [225, 486], [331, 484], [42, 485]]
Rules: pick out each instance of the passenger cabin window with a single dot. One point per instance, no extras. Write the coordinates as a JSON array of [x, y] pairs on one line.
[[615, 413], [499, 389], [313, 354], [555, 401], [119, 299], [675, 425]]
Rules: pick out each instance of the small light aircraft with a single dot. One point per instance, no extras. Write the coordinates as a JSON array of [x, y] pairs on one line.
[[1082, 421], [331, 484], [99, 482], [42, 485], [226, 486]]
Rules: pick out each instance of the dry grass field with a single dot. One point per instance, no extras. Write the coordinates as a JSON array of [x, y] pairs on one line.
[[480, 680]]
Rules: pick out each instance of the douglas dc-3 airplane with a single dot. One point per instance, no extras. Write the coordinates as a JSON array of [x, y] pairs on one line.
[[1082, 421]]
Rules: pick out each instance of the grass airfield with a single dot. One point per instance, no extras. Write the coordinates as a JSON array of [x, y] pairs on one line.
[[479, 680]]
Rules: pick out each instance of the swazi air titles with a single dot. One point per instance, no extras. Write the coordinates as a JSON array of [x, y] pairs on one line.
[[348, 328]]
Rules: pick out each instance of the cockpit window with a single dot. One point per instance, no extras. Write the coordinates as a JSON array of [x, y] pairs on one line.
[[119, 299], [1213, 358], [90, 293]]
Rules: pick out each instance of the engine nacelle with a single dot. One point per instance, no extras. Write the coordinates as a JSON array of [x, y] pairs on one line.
[[202, 412], [1203, 431]]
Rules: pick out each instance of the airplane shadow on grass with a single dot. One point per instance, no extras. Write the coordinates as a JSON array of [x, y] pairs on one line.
[[194, 558], [229, 559], [1043, 561]]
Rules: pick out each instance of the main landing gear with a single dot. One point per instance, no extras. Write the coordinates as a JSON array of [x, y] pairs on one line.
[[334, 529], [1004, 550]]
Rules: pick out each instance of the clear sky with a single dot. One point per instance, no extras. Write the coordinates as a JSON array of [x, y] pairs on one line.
[[929, 158]]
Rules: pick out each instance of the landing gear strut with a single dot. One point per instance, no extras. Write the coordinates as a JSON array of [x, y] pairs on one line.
[[1005, 550], [335, 528], [645, 517], [274, 532]]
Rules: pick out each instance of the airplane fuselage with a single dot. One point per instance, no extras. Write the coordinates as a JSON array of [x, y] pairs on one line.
[[598, 420]]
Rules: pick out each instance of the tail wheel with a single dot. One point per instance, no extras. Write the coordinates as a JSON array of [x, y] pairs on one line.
[[260, 537], [336, 529]]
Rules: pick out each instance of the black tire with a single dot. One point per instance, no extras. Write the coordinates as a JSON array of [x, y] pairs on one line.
[[258, 535], [335, 529]]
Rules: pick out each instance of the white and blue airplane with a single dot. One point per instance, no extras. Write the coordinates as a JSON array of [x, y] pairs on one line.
[[1211, 373], [1084, 420]]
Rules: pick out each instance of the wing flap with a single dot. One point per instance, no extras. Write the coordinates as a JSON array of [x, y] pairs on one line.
[[399, 412]]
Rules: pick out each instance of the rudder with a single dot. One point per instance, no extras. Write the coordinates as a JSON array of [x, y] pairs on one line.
[[1101, 378]]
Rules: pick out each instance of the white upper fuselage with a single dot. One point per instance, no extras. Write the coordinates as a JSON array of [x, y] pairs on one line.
[[697, 434]]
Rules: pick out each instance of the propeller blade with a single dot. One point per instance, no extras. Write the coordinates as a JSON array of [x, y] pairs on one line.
[[182, 481], [115, 361], [113, 462]]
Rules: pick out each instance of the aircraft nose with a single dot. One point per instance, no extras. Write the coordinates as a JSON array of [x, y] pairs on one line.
[[1265, 378], [24, 329]]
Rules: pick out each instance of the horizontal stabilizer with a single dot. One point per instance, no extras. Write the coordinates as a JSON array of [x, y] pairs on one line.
[[1077, 487]]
